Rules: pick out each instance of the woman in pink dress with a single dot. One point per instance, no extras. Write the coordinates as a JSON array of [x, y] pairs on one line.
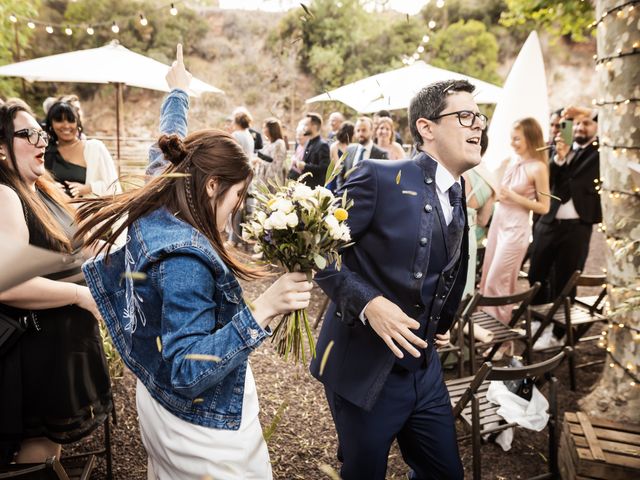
[[523, 189]]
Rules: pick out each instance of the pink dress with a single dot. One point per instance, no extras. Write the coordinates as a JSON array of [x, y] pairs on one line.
[[508, 240]]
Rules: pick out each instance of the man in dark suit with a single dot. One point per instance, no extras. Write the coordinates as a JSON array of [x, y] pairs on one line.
[[396, 293], [561, 237], [365, 149], [316, 157]]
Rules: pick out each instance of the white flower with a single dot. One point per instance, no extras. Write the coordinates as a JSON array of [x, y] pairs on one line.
[[276, 221], [323, 192], [332, 222], [302, 192], [345, 233], [292, 219], [283, 205], [260, 216]]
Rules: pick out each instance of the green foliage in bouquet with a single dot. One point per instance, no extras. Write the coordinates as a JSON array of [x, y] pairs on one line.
[[301, 230]]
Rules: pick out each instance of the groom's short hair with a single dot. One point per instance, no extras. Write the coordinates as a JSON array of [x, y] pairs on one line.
[[432, 100]]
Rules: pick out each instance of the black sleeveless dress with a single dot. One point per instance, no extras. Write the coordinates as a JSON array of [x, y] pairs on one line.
[[54, 382]]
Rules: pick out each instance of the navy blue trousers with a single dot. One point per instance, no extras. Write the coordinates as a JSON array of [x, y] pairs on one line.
[[413, 407]]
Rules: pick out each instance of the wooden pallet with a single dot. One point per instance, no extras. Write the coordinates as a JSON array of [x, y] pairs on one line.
[[593, 448]]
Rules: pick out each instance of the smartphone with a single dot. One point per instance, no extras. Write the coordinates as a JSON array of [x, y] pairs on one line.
[[566, 131]]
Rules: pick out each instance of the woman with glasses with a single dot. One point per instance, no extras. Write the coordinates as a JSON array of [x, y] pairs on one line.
[[83, 167], [522, 190], [54, 384]]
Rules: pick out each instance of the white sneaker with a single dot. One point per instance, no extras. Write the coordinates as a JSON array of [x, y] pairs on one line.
[[548, 340]]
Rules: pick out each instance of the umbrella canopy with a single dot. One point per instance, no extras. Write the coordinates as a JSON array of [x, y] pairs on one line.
[[112, 63], [524, 95], [394, 90]]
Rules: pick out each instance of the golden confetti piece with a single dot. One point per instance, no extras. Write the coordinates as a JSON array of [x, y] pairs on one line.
[[409, 192], [198, 400], [329, 471], [325, 357], [203, 357], [398, 177], [159, 344], [135, 276]]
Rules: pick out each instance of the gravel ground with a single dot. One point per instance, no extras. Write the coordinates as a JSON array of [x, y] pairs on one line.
[[303, 442]]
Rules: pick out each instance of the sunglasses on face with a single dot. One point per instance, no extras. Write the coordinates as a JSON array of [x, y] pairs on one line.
[[33, 135]]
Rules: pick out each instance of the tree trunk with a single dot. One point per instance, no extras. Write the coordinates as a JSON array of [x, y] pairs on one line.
[[617, 393]]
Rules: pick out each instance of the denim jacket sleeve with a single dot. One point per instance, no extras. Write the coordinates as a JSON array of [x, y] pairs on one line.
[[190, 326], [348, 290], [173, 119]]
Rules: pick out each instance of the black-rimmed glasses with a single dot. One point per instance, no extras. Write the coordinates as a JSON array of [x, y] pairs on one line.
[[33, 135], [467, 118]]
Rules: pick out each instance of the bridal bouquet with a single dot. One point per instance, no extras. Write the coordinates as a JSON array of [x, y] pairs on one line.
[[300, 229]]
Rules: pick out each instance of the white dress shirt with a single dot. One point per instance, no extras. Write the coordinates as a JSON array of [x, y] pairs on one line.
[[567, 211], [367, 152]]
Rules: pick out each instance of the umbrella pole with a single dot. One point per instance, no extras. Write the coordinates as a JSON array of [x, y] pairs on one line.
[[118, 110]]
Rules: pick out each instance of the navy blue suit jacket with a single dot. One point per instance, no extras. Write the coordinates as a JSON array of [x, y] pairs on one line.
[[391, 224]]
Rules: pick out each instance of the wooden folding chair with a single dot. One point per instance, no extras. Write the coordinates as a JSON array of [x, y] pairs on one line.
[[479, 417], [456, 345], [51, 469], [501, 333], [575, 316]]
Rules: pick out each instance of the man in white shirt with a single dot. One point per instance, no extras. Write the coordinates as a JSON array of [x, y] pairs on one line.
[[395, 296]]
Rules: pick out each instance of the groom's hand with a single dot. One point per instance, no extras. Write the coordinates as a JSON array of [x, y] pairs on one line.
[[393, 326]]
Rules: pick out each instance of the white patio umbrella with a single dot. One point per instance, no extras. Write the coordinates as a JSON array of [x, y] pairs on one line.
[[112, 63], [393, 90]]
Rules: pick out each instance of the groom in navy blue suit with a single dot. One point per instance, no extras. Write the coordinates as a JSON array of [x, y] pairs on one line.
[[393, 300]]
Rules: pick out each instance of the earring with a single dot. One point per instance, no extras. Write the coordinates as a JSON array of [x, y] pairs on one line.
[[3, 157]]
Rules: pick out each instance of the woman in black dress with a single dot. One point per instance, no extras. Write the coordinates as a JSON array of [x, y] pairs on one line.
[[54, 383]]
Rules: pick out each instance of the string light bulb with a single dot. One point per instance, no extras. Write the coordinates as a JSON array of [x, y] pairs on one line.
[[432, 24], [68, 31], [173, 10], [114, 27], [48, 29], [90, 30], [425, 39], [13, 18], [31, 25], [143, 20], [440, 3]]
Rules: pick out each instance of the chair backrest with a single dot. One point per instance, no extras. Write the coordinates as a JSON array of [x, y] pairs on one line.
[[593, 281], [522, 298], [488, 372], [51, 469], [535, 370], [564, 294]]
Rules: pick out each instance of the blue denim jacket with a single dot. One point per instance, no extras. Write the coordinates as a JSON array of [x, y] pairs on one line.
[[182, 327]]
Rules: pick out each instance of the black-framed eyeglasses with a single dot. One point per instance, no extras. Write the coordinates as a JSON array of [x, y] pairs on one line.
[[467, 118], [33, 135]]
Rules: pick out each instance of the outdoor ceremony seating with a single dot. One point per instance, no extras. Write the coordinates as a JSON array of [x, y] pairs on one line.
[[51, 469], [479, 417], [576, 316], [501, 333]]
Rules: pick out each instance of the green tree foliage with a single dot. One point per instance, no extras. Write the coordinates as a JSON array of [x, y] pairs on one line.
[[8, 86], [340, 42], [466, 47], [559, 17]]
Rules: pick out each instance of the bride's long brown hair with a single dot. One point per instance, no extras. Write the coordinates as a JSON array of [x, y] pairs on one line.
[[181, 188]]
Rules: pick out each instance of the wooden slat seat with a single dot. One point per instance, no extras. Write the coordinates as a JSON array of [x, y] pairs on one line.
[[479, 416]]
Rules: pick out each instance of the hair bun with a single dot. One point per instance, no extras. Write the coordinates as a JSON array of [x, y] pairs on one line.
[[173, 148]]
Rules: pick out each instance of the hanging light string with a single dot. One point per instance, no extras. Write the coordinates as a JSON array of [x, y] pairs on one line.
[[90, 27], [618, 10], [419, 50]]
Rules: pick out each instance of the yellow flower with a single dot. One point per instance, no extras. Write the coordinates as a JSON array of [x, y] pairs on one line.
[[341, 214]]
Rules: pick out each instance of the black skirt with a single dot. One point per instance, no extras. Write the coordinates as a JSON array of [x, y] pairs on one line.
[[54, 382]]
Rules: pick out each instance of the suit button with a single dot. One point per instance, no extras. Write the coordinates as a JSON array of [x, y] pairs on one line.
[[423, 241], [338, 314], [428, 180], [428, 208], [417, 275]]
